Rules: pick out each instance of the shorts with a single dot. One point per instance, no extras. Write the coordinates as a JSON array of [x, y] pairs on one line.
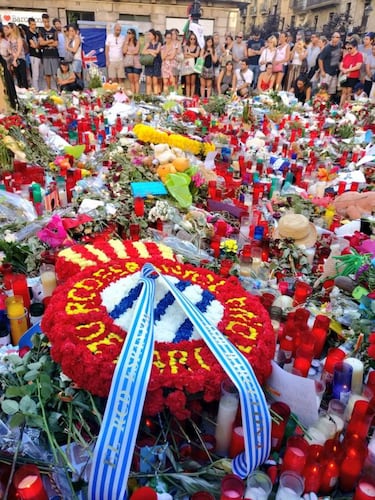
[[77, 65], [116, 70], [350, 83], [50, 66], [130, 69], [331, 81]]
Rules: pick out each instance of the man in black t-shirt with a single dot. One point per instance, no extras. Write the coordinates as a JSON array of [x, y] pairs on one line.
[[254, 49], [32, 37], [329, 62], [48, 42]]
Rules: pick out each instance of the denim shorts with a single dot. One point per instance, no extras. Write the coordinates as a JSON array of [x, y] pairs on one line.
[[77, 65]]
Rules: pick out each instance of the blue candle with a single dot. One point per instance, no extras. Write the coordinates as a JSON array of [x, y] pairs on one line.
[[342, 379]]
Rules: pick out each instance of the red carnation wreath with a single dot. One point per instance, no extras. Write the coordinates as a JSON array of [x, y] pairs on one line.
[[86, 340]]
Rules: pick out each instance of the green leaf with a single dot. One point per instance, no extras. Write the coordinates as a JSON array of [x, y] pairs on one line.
[[46, 391], [34, 366], [9, 406], [35, 421], [14, 359], [27, 405], [53, 420], [14, 392], [31, 375], [75, 151], [17, 420]]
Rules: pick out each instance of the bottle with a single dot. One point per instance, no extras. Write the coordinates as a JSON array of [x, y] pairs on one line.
[[61, 190], [36, 312], [37, 198], [17, 316]]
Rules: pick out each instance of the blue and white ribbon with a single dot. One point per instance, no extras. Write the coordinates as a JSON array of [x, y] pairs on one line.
[[115, 445], [116, 441]]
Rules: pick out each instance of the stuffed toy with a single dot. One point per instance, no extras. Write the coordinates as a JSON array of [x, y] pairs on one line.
[[354, 205]]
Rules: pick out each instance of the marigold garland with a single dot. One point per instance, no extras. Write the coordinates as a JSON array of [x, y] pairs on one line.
[[86, 342], [145, 133]]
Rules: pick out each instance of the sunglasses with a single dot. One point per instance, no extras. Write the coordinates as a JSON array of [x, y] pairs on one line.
[[239, 37]]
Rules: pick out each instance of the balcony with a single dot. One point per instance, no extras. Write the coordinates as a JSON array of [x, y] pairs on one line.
[[299, 5], [318, 4]]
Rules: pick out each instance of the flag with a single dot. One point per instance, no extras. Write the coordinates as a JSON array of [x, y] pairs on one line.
[[93, 43]]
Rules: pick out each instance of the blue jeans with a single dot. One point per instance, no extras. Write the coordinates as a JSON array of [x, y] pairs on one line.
[[256, 71]]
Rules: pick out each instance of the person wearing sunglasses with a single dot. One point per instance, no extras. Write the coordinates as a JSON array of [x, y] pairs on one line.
[[350, 66], [239, 50]]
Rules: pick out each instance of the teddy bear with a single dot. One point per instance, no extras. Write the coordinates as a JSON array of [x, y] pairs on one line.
[[354, 205]]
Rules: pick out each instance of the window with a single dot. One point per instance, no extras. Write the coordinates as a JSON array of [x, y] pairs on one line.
[[134, 18], [73, 16]]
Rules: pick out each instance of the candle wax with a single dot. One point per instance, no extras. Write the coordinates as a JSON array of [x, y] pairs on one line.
[[231, 494], [254, 493], [228, 406], [285, 493], [48, 279]]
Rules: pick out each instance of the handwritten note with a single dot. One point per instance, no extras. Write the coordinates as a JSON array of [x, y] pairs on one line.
[[297, 392]]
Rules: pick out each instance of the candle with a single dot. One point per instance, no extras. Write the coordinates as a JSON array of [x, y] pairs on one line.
[[294, 459], [232, 487], [258, 486], [202, 495], [365, 490], [134, 231], [139, 206], [311, 474], [17, 316], [302, 292], [237, 444], [282, 414], [357, 374], [327, 425], [350, 405], [291, 486], [29, 484], [20, 287], [315, 436], [48, 279], [228, 406]]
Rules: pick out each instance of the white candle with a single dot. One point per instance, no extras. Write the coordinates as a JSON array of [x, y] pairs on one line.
[[255, 493], [228, 407], [315, 436], [285, 493], [357, 375], [327, 426], [339, 423], [48, 279]]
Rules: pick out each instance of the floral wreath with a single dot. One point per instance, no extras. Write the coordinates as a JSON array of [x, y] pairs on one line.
[[86, 339]]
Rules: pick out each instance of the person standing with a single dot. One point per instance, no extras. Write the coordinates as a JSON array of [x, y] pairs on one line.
[[168, 57], [18, 62], [313, 51], [32, 37], [73, 48], [131, 48], [281, 60], [329, 61], [351, 67], [60, 38], [207, 75], [254, 49], [239, 50], [114, 55], [50, 55]]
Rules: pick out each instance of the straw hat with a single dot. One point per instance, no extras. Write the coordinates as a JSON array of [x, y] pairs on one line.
[[296, 227]]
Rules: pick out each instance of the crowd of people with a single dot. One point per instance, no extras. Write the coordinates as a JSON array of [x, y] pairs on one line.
[[344, 68], [35, 55]]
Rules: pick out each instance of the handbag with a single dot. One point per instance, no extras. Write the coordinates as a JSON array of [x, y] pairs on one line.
[[187, 66], [342, 78], [128, 61], [198, 66], [146, 59]]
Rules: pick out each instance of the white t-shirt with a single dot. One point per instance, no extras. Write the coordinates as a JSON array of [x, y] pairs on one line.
[[246, 76], [115, 44]]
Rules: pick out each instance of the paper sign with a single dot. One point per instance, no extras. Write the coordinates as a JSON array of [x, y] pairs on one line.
[[209, 162], [297, 392]]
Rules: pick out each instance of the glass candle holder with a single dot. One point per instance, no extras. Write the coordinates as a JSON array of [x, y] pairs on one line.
[[48, 279], [334, 356], [282, 414], [301, 293], [294, 458], [17, 315], [232, 487], [139, 206], [237, 443], [134, 231], [228, 406], [258, 486], [342, 379], [357, 374], [360, 421], [312, 474], [202, 495], [20, 287], [291, 486], [365, 489], [28, 483]]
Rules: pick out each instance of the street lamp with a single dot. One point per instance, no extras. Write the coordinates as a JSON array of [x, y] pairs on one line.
[[195, 11]]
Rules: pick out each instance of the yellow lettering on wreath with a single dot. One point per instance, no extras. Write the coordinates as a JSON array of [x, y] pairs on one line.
[[95, 346], [232, 327], [132, 267], [246, 349], [198, 357], [158, 362], [173, 362], [72, 295], [97, 326], [74, 308], [240, 300], [194, 275]]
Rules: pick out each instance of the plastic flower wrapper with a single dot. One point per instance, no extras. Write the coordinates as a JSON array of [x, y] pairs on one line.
[[54, 233]]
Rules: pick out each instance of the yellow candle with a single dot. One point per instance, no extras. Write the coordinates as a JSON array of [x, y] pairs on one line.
[[48, 279], [17, 317]]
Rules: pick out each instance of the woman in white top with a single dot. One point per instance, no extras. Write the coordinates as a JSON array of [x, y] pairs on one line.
[[297, 56], [281, 60], [73, 45], [268, 53]]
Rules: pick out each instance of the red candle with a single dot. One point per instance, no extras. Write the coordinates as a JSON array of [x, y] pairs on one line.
[[212, 190], [302, 292], [134, 230], [342, 187], [20, 287], [365, 490], [139, 207], [312, 474], [29, 484], [294, 460], [202, 495], [232, 487], [279, 424], [237, 444], [330, 476]]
